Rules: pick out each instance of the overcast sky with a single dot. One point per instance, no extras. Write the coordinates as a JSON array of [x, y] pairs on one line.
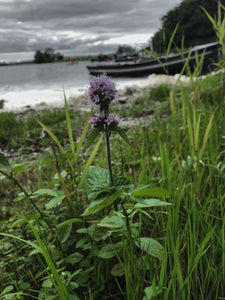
[[85, 26]]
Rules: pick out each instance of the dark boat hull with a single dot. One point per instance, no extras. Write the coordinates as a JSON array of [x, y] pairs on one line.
[[173, 64]]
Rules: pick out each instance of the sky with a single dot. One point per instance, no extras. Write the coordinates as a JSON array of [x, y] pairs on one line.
[[84, 26]]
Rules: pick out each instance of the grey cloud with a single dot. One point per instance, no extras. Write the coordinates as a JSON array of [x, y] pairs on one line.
[[43, 23]]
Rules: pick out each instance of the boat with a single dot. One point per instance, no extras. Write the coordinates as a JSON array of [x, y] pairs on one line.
[[173, 64]]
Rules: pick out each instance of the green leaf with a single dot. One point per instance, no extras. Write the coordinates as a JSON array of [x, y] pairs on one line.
[[149, 292], [68, 222], [18, 168], [24, 285], [122, 134], [82, 137], [2, 178], [117, 270], [171, 40], [94, 177], [7, 290], [113, 222], [144, 203], [21, 196], [54, 201], [42, 192], [90, 160], [122, 182], [54, 138], [74, 258], [153, 192], [69, 127], [99, 204], [93, 135], [152, 247], [47, 283], [4, 163], [98, 189], [109, 250], [64, 232]]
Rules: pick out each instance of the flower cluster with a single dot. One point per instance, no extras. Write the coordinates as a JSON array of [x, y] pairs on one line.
[[102, 91], [101, 120]]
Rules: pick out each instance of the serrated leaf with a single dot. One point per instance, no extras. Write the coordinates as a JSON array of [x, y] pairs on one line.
[[93, 135], [153, 192], [94, 177], [122, 182], [98, 189], [4, 163], [152, 247], [122, 134]]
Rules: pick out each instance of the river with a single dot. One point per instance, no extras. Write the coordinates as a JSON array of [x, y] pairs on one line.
[[32, 84]]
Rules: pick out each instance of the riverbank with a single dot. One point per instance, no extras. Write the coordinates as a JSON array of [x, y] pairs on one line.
[[21, 135], [77, 98]]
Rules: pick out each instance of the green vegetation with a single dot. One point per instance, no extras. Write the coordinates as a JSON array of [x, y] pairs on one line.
[[22, 132], [46, 56], [125, 49], [194, 26], [182, 151]]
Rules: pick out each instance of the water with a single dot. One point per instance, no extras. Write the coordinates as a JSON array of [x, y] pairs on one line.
[[32, 84]]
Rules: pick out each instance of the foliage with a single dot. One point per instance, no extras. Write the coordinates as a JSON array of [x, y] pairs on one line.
[[46, 56], [23, 132], [194, 26], [125, 49]]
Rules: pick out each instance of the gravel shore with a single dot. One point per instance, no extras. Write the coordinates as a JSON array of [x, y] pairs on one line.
[[126, 94]]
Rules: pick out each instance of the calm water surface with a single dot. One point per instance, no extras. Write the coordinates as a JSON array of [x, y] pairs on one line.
[[31, 84]]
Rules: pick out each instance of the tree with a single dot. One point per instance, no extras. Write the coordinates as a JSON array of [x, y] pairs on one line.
[[194, 26], [125, 49], [47, 56]]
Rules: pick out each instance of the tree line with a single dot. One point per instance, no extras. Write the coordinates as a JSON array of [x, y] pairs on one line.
[[194, 26], [48, 55]]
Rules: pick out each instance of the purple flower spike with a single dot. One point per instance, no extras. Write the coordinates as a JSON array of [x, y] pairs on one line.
[[98, 121], [102, 91], [101, 120], [112, 120]]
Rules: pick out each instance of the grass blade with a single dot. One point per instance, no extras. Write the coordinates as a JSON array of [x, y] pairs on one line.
[[90, 160], [51, 134], [68, 121]]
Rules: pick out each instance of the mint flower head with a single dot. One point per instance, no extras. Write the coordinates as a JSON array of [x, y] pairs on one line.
[[101, 92], [101, 120]]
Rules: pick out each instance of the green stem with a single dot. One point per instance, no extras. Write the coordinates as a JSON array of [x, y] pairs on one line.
[[108, 153]]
